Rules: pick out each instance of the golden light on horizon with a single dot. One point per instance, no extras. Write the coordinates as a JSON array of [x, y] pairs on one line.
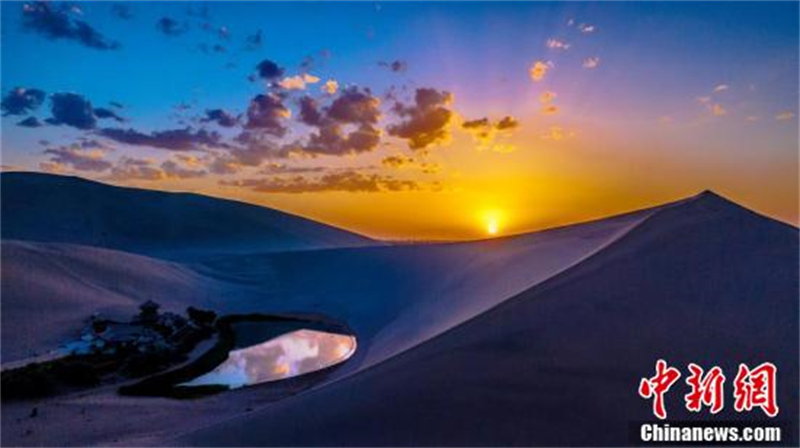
[[492, 222], [491, 227]]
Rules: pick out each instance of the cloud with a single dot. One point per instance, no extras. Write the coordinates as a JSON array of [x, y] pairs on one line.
[[78, 158], [346, 180], [171, 27], [425, 123], [297, 82], [256, 152], [280, 168], [507, 123], [52, 167], [56, 21], [480, 123], [485, 132], [347, 126], [136, 169], [332, 139], [397, 161], [255, 149], [720, 88], [591, 63], [174, 139], [266, 113], [269, 70], [30, 122], [224, 164], [556, 44], [122, 11], [178, 170], [550, 109], [786, 115], [19, 101], [401, 161], [547, 97], [355, 105], [751, 118], [703, 99], [330, 87], [73, 110], [557, 133], [539, 69], [221, 117], [586, 28], [129, 168], [90, 143], [717, 110], [310, 112], [396, 66], [101, 112]]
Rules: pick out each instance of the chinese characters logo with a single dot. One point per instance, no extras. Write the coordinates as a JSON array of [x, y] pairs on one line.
[[752, 388]]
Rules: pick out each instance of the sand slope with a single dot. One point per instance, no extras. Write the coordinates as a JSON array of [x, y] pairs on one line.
[[50, 208], [396, 297], [499, 342], [49, 289], [705, 281]]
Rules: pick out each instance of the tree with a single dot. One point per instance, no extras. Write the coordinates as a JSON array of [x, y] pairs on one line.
[[201, 317]]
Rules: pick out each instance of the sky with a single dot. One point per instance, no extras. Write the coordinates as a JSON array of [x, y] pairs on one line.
[[411, 121]]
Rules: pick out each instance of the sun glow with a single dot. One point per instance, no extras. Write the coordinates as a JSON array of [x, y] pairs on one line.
[[491, 227], [492, 222]]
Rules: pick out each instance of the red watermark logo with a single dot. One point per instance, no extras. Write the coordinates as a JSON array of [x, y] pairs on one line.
[[752, 388]]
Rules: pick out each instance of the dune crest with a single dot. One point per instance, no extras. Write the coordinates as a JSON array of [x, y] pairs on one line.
[[177, 226]]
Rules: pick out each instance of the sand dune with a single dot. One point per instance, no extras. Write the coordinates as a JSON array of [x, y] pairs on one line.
[[705, 282], [49, 289], [50, 208], [499, 342], [396, 297]]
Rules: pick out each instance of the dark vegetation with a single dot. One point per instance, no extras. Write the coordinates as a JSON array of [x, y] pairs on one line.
[[49, 378], [121, 358], [157, 343]]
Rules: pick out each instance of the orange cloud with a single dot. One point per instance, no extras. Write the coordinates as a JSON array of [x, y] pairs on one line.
[[547, 97], [485, 133], [787, 115], [550, 109], [330, 87], [717, 110], [298, 82], [539, 69]]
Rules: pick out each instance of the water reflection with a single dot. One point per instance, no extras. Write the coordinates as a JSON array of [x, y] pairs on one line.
[[291, 354]]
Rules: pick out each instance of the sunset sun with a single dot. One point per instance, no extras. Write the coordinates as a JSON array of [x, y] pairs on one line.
[[492, 226]]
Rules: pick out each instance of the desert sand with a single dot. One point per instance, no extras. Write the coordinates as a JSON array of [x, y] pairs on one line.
[[535, 339]]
